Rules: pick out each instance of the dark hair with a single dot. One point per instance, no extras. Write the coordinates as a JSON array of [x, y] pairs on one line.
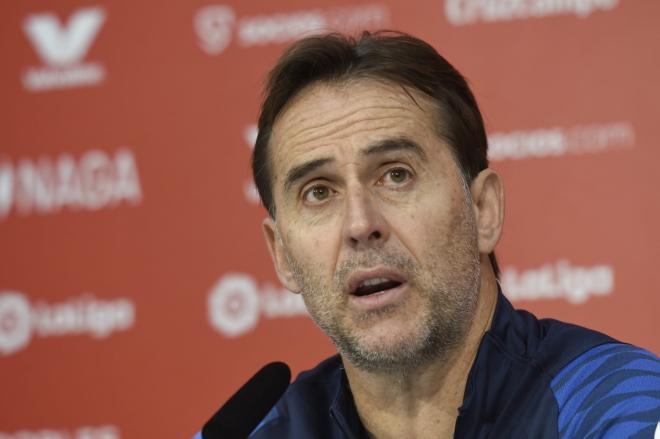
[[389, 56]]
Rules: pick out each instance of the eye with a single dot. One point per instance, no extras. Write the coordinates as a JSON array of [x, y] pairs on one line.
[[317, 194], [395, 177]]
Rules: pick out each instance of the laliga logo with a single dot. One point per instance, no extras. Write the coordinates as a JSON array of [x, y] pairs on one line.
[[235, 304], [20, 321], [214, 28], [561, 280], [62, 49]]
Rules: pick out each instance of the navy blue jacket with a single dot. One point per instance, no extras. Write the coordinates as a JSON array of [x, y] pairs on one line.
[[531, 379]]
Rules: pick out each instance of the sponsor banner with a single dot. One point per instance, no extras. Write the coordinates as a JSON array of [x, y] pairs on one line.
[[558, 280], [62, 48], [217, 26], [48, 184], [463, 12], [101, 432], [558, 141], [21, 320], [236, 303]]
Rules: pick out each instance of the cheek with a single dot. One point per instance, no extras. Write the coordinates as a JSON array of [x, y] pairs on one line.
[[426, 224], [418, 232], [315, 247]]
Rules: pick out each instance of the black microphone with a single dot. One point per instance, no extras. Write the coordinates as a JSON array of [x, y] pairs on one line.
[[250, 404]]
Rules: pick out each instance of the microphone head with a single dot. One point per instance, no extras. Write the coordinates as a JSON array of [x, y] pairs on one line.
[[250, 404]]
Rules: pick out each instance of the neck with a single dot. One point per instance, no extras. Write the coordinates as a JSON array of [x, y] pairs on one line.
[[423, 402]]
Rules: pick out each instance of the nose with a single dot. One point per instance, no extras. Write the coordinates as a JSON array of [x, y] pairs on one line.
[[364, 223]]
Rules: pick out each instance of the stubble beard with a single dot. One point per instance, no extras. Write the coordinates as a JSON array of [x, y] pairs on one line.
[[447, 290]]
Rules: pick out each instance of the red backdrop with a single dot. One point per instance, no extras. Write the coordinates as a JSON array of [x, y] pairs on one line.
[[136, 293]]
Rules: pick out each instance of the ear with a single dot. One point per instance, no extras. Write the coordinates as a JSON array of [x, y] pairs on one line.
[[277, 253], [488, 204]]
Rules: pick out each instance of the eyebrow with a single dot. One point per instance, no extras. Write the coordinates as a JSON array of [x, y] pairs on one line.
[[298, 172], [395, 144], [383, 146]]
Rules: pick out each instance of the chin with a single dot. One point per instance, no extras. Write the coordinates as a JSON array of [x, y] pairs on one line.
[[387, 349]]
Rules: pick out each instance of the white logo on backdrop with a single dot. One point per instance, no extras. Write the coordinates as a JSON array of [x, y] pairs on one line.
[[101, 432], [62, 49], [20, 320], [558, 141], [235, 304], [560, 280], [463, 12], [15, 322], [46, 185], [214, 26], [217, 25]]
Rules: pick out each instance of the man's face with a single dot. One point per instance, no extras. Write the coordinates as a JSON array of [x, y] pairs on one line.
[[374, 224]]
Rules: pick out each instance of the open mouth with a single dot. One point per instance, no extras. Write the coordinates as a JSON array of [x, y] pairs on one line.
[[373, 286]]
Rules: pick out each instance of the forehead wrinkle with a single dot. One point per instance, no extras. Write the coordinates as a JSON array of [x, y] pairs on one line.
[[334, 136], [337, 137], [342, 121], [309, 104]]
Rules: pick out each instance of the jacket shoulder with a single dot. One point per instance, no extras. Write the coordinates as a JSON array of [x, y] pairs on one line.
[[610, 391]]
